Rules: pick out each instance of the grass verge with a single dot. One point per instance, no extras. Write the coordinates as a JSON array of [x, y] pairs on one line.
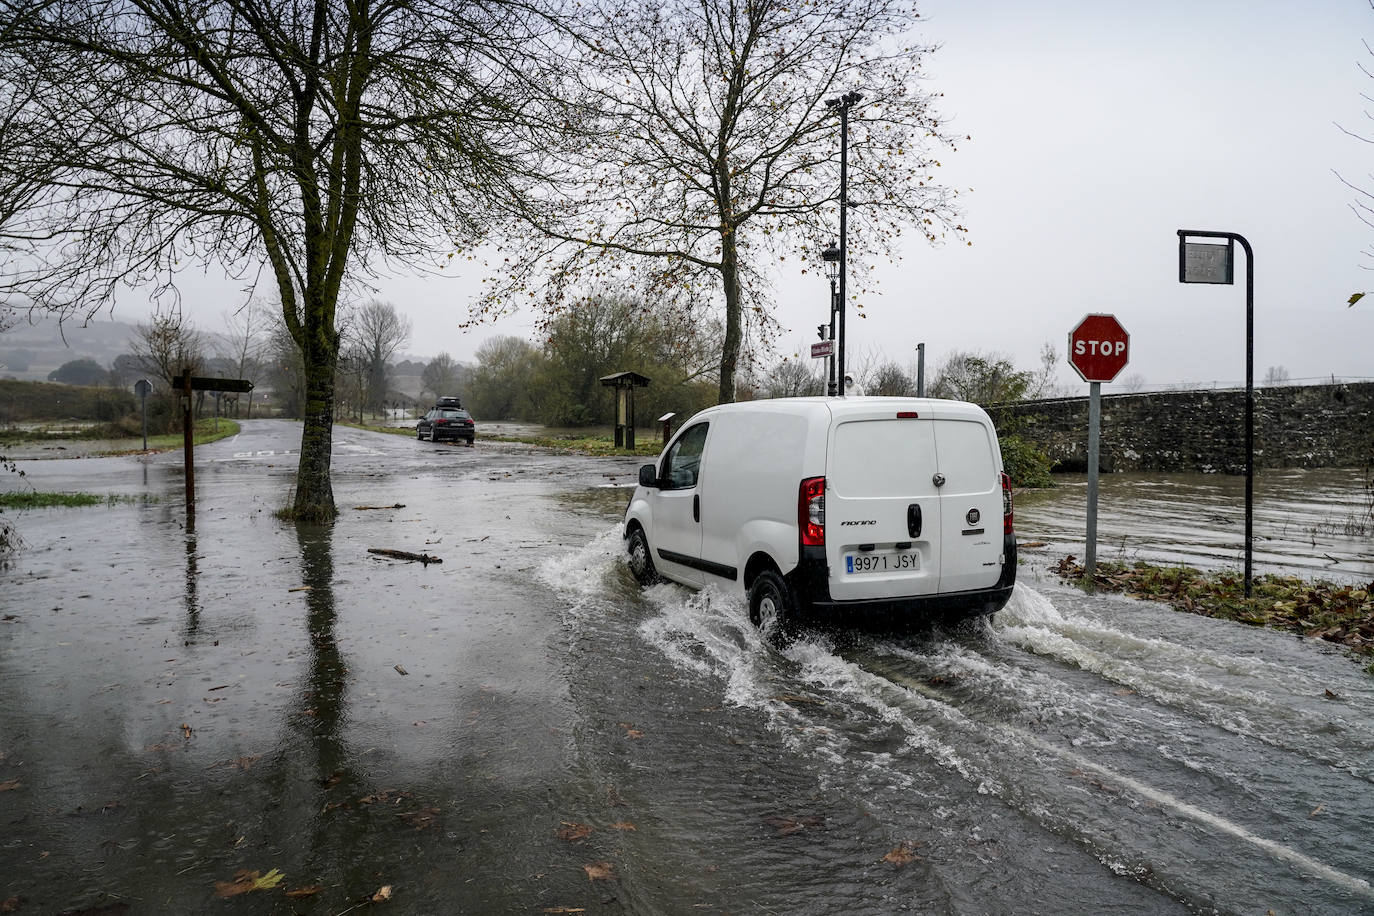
[[36, 499], [599, 446], [1341, 614]]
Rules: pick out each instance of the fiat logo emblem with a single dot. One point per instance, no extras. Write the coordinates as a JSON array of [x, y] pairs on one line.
[[973, 516]]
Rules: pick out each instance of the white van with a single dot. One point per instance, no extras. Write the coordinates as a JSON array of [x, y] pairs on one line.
[[838, 505]]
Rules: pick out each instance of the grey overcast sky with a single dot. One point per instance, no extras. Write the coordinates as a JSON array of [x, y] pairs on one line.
[[1099, 128]]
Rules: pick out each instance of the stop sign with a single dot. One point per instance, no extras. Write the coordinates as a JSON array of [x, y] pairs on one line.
[[1098, 348]]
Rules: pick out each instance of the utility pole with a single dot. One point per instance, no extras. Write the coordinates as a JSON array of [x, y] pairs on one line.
[[843, 104]]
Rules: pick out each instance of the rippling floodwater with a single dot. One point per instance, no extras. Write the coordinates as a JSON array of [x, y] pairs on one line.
[[1313, 523], [1081, 754], [523, 729]]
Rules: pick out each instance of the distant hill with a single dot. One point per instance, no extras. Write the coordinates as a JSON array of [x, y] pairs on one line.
[[32, 349]]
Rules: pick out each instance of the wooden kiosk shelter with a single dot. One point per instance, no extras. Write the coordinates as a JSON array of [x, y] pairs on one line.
[[625, 384]]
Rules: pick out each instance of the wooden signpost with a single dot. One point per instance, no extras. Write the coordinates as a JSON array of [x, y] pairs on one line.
[[191, 383]]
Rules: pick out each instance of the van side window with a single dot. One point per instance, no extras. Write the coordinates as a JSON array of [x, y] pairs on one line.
[[683, 462]]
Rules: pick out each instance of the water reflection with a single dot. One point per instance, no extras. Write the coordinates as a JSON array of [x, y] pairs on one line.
[[192, 591]]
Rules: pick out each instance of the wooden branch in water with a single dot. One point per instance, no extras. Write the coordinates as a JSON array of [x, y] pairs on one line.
[[404, 555]]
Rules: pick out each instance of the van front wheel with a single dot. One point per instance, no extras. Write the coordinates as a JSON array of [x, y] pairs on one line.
[[770, 602], [641, 561]]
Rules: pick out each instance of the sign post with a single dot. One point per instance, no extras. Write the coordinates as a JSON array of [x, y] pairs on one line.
[[141, 388], [1098, 349], [191, 383], [1212, 262]]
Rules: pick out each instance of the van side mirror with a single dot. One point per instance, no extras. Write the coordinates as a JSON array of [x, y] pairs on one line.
[[648, 476]]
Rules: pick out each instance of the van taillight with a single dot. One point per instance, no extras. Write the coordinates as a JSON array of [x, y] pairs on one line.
[[811, 511], [1006, 505]]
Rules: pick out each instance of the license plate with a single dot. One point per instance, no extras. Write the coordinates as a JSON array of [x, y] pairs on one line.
[[856, 563]]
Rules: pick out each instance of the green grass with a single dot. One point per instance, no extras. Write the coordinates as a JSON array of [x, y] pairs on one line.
[[1337, 613], [123, 444], [599, 446], [37, 499]]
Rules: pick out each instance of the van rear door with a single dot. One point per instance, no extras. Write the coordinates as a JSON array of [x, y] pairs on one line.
[[970, 499], [883, 526]]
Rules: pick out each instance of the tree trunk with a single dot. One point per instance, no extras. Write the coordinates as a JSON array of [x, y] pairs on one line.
[[314, 492], [734, 316]]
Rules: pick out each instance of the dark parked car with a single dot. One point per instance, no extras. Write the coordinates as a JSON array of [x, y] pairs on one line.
[[446, 423]]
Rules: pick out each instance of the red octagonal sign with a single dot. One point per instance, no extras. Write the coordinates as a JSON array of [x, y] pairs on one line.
[[1098, 348]]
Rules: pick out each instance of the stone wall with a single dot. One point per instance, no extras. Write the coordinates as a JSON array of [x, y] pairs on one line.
[[1295, 426]]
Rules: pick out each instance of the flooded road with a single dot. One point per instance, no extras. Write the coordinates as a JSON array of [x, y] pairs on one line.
[[521, 729]]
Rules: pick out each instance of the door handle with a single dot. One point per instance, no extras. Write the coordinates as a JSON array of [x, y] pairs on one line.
[[696, 507], [913, 520]]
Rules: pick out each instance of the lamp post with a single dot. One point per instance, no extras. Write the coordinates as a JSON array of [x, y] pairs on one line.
[[842, 104], [831, 257]]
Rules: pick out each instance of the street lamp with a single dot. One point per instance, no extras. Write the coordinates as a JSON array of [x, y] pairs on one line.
[[842, 105], [831, 256]]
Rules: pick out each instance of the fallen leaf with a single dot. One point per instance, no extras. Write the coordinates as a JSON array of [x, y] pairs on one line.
[[244, 763], [246, 881], [421, 819], [10, 785], [571, 832], [312, 890], [903, 854], [623, 825], [10, 905], [301, 588], [186, 731], [1317, 810], [383, 894], [600, 871], [400, 670]]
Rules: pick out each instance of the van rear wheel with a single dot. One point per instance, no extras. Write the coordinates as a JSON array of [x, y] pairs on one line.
[[641, 560], [771, 602]]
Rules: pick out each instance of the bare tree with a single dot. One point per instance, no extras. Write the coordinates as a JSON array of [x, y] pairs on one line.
[[316, 140], [376, 332], [791, 378], [243, 342], [167, 345], [441, 375], [711, 151], [891, 379], [1275, 375]]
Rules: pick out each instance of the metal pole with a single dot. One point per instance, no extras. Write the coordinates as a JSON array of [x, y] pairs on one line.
[[844, 242], [920, 370], [1249, 414], [1183, 235], [830, 388], [1094, 441]]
